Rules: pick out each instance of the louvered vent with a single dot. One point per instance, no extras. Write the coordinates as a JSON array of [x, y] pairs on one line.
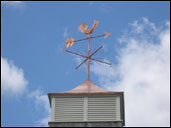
[[69, 109], [102, 109], [86, 108]]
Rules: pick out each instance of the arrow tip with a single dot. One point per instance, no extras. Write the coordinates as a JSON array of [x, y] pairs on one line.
[[107, 34]]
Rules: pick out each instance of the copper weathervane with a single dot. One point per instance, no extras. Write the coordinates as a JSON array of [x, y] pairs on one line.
[[71, 41]]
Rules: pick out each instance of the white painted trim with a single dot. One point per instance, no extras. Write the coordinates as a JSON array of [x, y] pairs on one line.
[[118, 112], [85, 108], [53, 109]]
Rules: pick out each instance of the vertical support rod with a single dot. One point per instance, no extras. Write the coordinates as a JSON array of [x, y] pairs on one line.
[[88, 57]]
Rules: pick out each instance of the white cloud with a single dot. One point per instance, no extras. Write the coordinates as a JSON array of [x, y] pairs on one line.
[[44, 122], [143, 73], [12, 78], [138, 27], [14, 83], [141, 30], [66, 33], [13, 4], [103, 7], [41, 103]]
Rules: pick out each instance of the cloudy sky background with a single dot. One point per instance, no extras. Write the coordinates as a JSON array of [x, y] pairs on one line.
[[33, 63]]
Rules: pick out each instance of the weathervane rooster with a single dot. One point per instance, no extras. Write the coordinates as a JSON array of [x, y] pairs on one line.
[[84, 28]]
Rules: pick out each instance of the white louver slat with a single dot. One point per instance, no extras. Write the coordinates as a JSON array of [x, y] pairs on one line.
[[69, 109], [101, 109]]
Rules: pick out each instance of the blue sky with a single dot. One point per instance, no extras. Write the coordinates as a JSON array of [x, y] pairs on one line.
[[33, 35]]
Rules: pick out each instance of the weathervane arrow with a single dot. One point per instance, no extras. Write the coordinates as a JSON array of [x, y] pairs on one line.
[[84, 29], [70, 41]]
